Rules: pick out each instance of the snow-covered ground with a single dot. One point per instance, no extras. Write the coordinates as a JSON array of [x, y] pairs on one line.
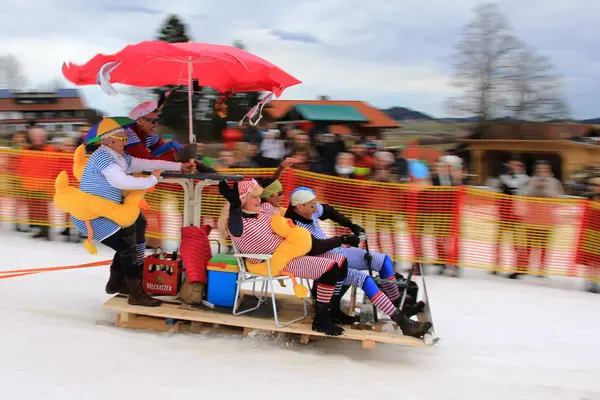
[[531, 339]]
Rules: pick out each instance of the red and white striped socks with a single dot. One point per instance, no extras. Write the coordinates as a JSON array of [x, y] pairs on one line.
[[391, 289], [324, 293], [381, 301]]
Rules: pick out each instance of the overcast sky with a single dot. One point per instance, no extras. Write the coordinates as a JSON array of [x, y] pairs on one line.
[[386, 52]]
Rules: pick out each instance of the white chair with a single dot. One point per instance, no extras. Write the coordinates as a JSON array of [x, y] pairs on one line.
[[267, 283]]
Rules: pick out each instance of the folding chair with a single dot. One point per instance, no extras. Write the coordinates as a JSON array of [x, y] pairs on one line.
[[267, 282]]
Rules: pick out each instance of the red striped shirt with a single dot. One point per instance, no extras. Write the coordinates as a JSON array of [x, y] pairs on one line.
[[257, 236]]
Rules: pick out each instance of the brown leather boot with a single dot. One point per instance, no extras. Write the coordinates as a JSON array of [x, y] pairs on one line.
[[137, 296], [116, 282]]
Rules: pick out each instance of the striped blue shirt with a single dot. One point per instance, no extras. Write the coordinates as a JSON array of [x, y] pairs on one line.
[[133, 138], [94, 182], [315, 227]]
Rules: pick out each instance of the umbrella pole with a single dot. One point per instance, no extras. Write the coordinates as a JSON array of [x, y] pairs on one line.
[[190, 94]]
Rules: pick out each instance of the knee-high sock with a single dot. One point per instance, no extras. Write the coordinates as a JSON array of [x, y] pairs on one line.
[[387, 272], [377, 297], [326, 284], [141, 252], [342, 277]]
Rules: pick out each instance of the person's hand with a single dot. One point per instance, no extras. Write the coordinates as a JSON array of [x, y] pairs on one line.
[[188, 167], [232, 195], [156, 173], [351, 240], [288, 162], [357, 229]]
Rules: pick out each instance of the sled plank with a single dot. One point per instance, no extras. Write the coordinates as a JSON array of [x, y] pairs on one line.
[[289, 308]]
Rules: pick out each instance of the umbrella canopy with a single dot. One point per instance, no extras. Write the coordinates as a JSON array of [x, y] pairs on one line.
[[106, 125], [156, 63]]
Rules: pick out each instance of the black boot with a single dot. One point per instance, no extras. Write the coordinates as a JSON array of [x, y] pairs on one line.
[[413, 309], [337, 315], [116, 282], [410, 327], [137, 296], [42, 234], [322, 321]]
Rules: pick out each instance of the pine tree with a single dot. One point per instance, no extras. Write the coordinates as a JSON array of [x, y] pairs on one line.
[[175, 111]]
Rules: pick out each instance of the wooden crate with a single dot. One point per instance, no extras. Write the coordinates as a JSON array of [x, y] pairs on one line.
[[173, 316]]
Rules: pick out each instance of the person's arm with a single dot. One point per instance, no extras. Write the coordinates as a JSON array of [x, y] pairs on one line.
[[117, 178], [320, 246], [140, 164], [331, 213], [203, 168], [286, 163], [514, 181], [235, 224]]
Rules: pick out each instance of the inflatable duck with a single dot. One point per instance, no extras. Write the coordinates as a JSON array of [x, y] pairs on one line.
[[297, 243], [86, 207]]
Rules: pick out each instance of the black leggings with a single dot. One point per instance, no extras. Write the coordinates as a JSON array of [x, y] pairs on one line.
[[140, 229], [125, 259]]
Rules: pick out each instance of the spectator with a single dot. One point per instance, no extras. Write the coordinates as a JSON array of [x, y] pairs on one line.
[[448, 172], [272, 149], [226, 159], [362, 161], [37, 182], [302, 157], [242, 156], [510, 183], [382, 167], [344, 165], [328, 147], [202, 157], [539, 216]]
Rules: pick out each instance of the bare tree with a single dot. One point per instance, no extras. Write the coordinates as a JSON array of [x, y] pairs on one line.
[[482, 63], [535, 91], [11, 73]]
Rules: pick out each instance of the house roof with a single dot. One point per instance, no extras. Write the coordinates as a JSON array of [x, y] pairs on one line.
[[62, 104], [277, 109], [330, 113]]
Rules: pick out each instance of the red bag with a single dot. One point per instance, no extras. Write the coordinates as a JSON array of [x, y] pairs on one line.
[[195, 252]]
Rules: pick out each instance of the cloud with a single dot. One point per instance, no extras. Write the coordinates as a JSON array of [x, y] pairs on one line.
[[295, 36], [382, 51], [133, 10]]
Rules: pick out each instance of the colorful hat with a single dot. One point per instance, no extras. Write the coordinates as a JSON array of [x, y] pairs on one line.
[[302, 195], [105, 126], [246, 187]]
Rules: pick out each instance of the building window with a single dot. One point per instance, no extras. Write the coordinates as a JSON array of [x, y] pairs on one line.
[[48, 114], [58, 128], [29, 115], [80, 114]]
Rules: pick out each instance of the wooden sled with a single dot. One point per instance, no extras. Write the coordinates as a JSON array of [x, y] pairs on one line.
[[174, 316]]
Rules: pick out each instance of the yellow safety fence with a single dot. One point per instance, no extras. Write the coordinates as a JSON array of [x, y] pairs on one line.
[[461, 226]]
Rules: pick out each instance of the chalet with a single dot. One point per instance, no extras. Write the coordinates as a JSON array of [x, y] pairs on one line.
[[332, 116], [62, 111]]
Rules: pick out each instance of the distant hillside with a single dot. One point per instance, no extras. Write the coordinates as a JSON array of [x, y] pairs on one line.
[[406, 114]]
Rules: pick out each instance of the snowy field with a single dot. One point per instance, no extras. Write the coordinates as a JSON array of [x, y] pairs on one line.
[[530, 339]]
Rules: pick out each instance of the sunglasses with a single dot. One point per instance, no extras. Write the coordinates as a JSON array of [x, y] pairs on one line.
[[121, 139], [153, 121]]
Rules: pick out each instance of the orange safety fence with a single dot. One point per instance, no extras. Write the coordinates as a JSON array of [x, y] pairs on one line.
[[462, 226]]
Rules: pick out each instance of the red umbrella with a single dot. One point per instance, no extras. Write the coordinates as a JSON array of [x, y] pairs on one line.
[[156, 63]]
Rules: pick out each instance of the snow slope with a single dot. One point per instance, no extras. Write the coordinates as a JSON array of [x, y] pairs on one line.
[[501, 339]]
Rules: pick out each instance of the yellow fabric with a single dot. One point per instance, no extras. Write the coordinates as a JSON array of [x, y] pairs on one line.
[[297, 243], [86, 207]]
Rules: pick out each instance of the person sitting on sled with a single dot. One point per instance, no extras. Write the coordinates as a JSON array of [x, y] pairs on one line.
[[107, 174], [304, 211], [250, 229], [383, 264]]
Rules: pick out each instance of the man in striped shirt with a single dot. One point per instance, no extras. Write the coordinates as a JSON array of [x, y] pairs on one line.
[[141, 142], [304, 211], [107, 174]]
